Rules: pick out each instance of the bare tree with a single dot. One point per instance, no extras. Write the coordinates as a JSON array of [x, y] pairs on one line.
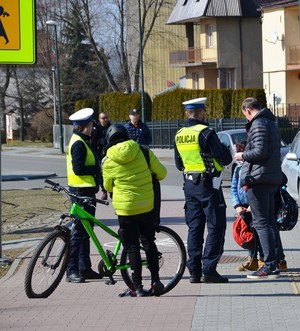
[[5, 79], [117, 19], [30, 95]]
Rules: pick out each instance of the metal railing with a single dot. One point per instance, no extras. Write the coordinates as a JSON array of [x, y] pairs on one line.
[[294, 55], [193, 55], [163, 132]]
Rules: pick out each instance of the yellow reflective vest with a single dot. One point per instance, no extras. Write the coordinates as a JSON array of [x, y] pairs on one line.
[[187, 143], [83, 180]]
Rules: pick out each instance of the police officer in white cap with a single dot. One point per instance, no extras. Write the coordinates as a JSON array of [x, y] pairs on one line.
[[83, 179], [201, 156]]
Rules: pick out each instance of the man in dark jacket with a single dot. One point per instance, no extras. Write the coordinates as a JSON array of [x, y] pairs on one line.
[[138, 130], [98, 142], [260, 175]]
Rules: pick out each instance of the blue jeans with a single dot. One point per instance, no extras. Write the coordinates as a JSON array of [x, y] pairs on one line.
[[261, 201]]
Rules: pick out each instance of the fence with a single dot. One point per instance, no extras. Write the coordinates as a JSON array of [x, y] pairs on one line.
[[163, 132]]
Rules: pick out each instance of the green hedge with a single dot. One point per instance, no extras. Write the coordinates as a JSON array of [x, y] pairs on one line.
[[221, 103], [87, 103], [118, 105], [239, 95]]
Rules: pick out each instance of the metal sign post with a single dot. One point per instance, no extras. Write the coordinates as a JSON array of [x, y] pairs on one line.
[[17, 46]]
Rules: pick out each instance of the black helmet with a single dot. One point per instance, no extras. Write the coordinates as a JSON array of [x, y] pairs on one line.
[[116, 132]]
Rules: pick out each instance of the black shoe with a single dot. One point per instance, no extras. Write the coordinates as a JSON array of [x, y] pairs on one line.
[[91, 275], [195, 279], [75, 278], [214, 278], [140, 292], [157, 288]]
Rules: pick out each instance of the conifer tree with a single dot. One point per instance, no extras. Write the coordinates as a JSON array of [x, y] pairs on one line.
[[81, 75]]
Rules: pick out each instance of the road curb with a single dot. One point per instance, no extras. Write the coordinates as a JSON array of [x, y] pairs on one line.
[[15, 264], [11, 177]]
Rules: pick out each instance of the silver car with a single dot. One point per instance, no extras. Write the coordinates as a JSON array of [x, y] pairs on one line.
[[230, 138], [235, 136], [291, 167]]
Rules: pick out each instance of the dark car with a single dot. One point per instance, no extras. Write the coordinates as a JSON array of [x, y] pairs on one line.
[[235, 136]]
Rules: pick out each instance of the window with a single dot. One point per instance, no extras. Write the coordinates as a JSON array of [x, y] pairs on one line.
[[225, 140], [195, 76], [229, 79], [209, 36]]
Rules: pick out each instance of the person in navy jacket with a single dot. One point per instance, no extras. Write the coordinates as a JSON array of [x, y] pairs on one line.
[[138, 130]]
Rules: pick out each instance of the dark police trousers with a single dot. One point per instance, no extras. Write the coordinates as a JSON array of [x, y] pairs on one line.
[[204, 206], [79, 260]]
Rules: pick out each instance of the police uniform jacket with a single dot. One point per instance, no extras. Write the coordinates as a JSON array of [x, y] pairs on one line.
[[209, 143], [262, 152], [76, 157], [127, 175], [140, 133]]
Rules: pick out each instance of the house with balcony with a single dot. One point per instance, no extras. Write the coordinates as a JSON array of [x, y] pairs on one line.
[[223, 43], [281, 56], [158, 75]]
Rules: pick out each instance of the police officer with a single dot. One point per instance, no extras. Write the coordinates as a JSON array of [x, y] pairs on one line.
[[201, 157], [83, 179]]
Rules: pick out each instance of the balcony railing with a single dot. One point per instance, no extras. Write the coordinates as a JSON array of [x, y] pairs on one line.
[[193, 55], [294, 55]]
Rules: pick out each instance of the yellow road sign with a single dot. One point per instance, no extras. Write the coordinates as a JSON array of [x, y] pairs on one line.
[[17, 32]]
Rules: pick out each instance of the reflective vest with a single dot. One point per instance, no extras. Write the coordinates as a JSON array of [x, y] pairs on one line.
[[187, 143], [83, 180]]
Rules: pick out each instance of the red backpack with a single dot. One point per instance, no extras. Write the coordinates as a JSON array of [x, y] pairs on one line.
[[242, 232]]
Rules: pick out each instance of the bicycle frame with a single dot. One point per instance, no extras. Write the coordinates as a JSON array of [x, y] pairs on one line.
[[85, 219]]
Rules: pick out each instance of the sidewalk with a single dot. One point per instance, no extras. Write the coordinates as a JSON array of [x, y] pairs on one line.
[[240, 304]]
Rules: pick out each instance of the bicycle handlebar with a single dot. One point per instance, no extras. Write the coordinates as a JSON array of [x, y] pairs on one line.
[[57, 187]]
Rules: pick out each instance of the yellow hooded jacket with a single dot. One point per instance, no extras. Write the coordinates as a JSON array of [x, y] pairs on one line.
[[126, 174]]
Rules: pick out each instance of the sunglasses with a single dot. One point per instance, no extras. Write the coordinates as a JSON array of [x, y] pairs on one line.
[[104, 118]]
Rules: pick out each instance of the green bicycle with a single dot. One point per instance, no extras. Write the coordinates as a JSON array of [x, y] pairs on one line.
[[48, 263]]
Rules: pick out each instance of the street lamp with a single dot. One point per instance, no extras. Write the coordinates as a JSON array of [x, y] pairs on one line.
[[141, 61], [53, 69], [61, 139]]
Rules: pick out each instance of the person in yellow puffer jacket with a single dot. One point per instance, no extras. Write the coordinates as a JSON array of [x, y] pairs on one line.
[[127, 176]]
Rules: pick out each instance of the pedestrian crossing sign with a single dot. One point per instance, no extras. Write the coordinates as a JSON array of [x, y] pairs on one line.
[[17, 32]]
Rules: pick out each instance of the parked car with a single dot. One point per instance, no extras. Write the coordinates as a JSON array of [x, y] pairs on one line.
[[235, 136], [291, 167]]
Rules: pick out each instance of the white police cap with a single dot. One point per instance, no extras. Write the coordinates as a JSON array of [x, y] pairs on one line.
[[82, 116], [198, 103]]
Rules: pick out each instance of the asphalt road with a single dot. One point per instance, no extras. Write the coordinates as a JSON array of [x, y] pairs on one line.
[[49, 161]]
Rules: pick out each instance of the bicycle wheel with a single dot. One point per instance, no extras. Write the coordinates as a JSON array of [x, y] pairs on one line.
[[47, 265], [172, 260]]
